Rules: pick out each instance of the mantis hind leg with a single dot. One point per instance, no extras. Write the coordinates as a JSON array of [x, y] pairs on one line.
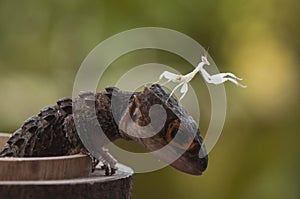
[[230, 75], [167, 75], [234, 81]]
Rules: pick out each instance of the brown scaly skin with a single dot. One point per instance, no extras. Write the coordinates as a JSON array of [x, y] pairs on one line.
[[52, 132]]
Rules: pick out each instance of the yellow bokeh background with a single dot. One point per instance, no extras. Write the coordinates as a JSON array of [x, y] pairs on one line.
[[42, 44]]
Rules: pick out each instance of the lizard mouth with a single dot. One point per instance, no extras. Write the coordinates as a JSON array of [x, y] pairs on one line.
[[192, 163], [197, 169]]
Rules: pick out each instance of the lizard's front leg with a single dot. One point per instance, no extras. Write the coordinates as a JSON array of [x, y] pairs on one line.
[[108, 161], [96, 127]]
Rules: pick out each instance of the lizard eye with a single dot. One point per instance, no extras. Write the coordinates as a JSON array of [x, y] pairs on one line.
[[172, 130], [180, 139], [171, 134]]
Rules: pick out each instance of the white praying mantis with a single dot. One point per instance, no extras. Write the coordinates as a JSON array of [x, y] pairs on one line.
[[183, 80]]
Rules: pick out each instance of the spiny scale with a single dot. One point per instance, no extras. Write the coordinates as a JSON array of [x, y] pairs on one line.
[[52, 132], [44, 134]]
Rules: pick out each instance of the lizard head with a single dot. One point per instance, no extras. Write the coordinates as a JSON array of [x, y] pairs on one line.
[[177, 142]]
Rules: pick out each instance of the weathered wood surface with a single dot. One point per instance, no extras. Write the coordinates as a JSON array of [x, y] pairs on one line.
[[97, 185], [43, 168], [60, 177]]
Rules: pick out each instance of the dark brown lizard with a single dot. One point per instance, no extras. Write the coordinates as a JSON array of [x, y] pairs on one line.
[[53, 131]]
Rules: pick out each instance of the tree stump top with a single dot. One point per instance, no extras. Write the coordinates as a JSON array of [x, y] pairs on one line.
[[94, 185]]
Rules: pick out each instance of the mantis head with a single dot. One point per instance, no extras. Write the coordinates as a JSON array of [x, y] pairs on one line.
[[204, 60]]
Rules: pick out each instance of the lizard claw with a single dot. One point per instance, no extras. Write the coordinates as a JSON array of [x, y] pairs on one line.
[[108, 170], [108, 162]]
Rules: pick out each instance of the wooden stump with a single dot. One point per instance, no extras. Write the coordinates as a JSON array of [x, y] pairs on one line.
[[60, 177]]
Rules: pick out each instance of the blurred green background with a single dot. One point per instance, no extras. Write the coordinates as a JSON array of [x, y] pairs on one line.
[[42, 44]]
